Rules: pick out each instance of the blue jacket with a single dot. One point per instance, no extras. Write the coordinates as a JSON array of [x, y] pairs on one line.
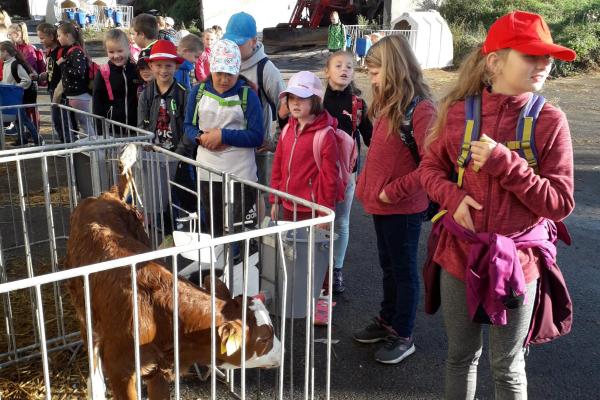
[[252, 136], [182, 75]]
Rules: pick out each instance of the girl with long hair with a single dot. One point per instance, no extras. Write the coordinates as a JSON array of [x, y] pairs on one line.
[[389, 189], [502, 197]]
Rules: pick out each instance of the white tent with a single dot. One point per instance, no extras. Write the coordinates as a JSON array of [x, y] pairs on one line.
[[432, 43]]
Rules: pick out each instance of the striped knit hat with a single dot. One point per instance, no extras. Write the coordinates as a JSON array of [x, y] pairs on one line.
[[164, 50]]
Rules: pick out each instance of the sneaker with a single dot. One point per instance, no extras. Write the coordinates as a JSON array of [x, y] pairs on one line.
[[322, 312], [395, 349], [375, 332], [338, 281]]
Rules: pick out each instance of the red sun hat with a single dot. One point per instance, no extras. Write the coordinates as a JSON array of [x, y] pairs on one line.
[[527, 33], [164, 50]]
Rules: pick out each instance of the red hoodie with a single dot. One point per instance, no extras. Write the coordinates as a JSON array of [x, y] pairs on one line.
[[513, 197], [390, 166], [295, 170]]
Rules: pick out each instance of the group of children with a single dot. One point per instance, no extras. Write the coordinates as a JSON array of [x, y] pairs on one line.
[[418, 152], [501, 210]]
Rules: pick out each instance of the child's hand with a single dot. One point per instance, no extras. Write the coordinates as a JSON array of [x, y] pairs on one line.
[[283, 111], [462, 215], [211, 139], [274, 212], [383, 197], [481, 150]]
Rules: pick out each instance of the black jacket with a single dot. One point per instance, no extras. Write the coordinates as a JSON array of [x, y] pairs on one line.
[[339, 105], [148, 110], [54, 74], [124, 82], [74, 72]]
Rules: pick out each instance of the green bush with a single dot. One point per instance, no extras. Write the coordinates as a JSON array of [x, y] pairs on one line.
[[574, 23]]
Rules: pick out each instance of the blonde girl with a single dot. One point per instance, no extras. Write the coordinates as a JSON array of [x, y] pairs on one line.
[[500, 198], [342, 100], [389, 189]]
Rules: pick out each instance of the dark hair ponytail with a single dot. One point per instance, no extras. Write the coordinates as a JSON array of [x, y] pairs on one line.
[[75, 31], [10, 48]]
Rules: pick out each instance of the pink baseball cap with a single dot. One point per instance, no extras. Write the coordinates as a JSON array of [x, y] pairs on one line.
[[304, 84]]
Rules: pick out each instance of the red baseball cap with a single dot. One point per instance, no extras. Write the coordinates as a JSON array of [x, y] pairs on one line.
[[527, 33], [164, 50]]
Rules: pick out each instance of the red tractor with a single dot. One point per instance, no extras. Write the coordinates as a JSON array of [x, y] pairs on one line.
[[310, 18]]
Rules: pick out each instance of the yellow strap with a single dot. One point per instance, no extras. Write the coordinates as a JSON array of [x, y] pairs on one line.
[[526, 143], [464, 150], [513, 145], [439, 215]]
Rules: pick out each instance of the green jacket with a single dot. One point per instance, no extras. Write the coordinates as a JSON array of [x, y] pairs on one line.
[[336, 37]]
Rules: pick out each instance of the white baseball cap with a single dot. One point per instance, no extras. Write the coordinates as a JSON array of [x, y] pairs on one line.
[[304, 84]]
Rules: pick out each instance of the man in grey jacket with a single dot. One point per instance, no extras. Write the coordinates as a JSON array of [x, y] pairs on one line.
[[258, 69]]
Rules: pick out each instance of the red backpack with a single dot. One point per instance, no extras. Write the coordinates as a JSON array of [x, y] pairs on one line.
[[347, 154], [105, 73]]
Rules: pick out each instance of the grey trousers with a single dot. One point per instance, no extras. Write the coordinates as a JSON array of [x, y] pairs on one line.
[[465, 343]]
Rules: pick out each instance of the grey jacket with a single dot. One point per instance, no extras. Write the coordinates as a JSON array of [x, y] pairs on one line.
[[148, 108], [272, 84]]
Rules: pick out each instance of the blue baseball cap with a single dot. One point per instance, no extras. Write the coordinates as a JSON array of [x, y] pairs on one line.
[[240, 28]]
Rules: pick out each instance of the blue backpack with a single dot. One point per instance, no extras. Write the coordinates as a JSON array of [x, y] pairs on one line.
[[524, 138]]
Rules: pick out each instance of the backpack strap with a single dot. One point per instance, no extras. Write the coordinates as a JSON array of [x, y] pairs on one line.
[[525, 138], [198, 98], [105, 72], [407, 131], [357, 111], [260, 68], [318, 141], [472, 123]]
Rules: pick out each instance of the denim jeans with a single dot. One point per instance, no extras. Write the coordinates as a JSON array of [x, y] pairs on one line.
[[25, 121], [397, 243], [342, 225]]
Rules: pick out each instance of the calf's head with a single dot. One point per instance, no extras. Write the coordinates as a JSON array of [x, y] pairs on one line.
[[263, 348]]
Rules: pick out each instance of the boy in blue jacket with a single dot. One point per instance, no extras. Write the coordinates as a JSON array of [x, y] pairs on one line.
[[190, 47], [224, 117]]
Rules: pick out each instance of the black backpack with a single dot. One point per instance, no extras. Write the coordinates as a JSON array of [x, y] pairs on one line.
[[408, 138], [30, 94], [260, 68]]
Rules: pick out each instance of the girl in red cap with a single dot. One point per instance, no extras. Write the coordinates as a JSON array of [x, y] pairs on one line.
[[513, 182]]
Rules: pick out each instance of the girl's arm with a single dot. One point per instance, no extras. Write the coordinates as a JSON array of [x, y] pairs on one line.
[[408, 184], [190, 130], [99, 101], [99, 96], [548, 194], [366, 126], [253, 135], [436, 167], [276, 171], [143, 112], [24, 76], [326, 182]]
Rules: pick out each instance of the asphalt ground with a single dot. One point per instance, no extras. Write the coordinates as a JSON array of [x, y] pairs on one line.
[[568, 368]]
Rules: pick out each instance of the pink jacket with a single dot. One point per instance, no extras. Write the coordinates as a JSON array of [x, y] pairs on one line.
[[513, 196], [203, 66]]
